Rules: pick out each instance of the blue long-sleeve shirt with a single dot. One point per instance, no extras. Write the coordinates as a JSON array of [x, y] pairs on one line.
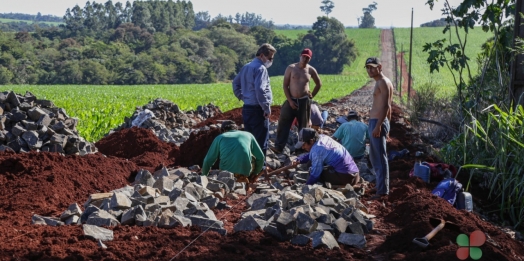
[[327, 151], [252, 85]]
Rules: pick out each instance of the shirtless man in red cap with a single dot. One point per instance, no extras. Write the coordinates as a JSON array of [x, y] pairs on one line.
[[298, 103]]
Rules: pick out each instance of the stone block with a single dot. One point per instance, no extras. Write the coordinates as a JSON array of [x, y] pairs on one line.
[[35, 113], [287, 225], [163, 172], [102, 218], [211, 201], [44, 121], [230, 182], [274, 231], [41, 220], [149, 191], [324, 227], [175, 193], [144, 177], [323, 238], [98, 233], [300, 240], [163, 184], [87, 212], [339, 226], [214, 186], [120, 201], [358, 241], [246, 224], [72, 220], [305, 224], [203, 181], [355, 228], [72, 210]]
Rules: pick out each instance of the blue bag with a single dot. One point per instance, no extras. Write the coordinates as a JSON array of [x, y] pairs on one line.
[[448, 190]]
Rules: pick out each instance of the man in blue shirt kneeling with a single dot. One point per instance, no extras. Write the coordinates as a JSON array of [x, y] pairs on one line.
[[340, 168]]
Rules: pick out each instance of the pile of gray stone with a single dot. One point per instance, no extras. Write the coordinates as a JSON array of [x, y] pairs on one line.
[[167, 199], [307, 213], [30, 124], [168, 122]]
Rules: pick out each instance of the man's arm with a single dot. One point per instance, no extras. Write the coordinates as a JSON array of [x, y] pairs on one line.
[[211, 157], [317, 81], [317, 165], [287, 80], [384, 106], [237, 88], [263, 91]]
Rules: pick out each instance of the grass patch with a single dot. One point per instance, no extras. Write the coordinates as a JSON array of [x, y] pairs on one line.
[[443, 80]]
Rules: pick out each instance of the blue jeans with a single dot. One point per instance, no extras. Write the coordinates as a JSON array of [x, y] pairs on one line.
[[256, 124], [378, 156]]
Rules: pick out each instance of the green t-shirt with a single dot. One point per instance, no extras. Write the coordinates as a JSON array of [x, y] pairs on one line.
[[235, 150], [352, 135]]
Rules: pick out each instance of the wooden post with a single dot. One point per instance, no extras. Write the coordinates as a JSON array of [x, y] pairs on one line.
[[410, 55]]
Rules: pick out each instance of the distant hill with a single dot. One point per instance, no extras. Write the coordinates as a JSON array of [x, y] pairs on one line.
[[32, 18], [435, 23]]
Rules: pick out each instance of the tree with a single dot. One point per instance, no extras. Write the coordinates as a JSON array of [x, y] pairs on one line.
[[327, 6], [330, 44], [368, 21], [202, 20]]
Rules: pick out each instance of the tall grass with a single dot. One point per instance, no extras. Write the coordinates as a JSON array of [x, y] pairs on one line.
[[494, 141], [443, 80]]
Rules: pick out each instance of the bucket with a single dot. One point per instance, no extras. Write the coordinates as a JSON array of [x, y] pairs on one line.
[[422, 171]]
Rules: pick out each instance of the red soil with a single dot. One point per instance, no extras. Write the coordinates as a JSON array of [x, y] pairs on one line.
[[46, 183], [141, 146]]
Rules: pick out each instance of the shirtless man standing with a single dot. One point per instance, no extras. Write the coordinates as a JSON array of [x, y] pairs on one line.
[[298, 103], [379, 118]]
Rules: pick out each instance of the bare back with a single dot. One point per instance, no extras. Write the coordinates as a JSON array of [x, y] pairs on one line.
[[382, 99]]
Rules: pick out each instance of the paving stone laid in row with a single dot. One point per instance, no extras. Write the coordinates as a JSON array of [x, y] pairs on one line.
[[30, 124]]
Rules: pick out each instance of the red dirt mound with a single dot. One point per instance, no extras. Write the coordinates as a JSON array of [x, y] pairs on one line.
[[410, 207], [196, 147], [47, 183], [140, 146], [236, 116]]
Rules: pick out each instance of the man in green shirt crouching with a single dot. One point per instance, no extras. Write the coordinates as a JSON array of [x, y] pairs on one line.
[[238, 152], [353, 135]]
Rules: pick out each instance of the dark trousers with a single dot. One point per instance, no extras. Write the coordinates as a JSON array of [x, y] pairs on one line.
[[339, 179], [256, 124], [287, 115]]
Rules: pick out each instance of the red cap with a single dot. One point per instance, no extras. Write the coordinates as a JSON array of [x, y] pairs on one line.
[[307, 52]]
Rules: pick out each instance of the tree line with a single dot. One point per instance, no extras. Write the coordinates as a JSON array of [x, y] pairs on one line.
[[152, 42]]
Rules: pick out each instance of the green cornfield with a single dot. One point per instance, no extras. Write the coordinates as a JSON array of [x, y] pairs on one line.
[[443, 80]]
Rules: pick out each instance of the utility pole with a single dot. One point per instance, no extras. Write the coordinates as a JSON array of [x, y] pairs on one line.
[[410, 55], [401, 65]]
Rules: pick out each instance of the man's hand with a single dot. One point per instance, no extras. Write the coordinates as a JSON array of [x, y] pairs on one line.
[[267, 115], [376, 132], [310, 94], [293, 105]]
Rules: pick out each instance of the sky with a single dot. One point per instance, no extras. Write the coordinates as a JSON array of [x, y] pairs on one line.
[[396, 13]]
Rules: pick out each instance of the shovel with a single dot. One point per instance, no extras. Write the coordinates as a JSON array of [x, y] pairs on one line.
[[424, 241]]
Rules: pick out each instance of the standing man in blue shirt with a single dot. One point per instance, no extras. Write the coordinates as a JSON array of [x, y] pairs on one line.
[[252, 86], [339, 170]]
